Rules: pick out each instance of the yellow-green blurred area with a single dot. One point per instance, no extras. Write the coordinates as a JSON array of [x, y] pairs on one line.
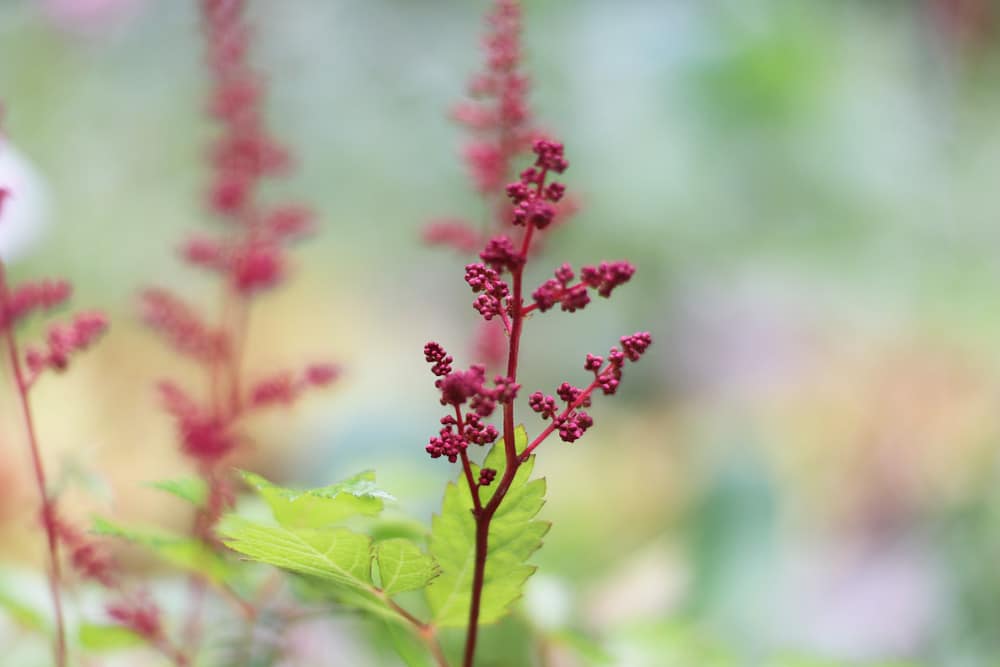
[[803, 470]]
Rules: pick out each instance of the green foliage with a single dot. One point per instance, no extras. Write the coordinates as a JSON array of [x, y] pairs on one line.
[[514, 535], [318, 508], [185, 553], [408, 647], [402, 566], [19, 612], [192, 489], [99, 638], [339, 560]]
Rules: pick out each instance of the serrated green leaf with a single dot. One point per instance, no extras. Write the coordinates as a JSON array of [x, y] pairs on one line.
[[95, 637], [514, 535], [183, 552], [318, 508], [403, 566], [336, 554], [192, 489], [337, 560]]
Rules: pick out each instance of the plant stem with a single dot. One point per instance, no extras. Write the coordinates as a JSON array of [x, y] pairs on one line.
[[484, 516], [427, 632], [48, 509]]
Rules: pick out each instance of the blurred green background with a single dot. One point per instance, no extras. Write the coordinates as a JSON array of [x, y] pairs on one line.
[[803, 470]]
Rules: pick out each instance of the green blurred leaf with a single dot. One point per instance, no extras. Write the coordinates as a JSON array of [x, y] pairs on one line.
[[316, 508], [403, 566], [514, 536], [183, 552], [582, 645], [107, 637], [22, 614], [411, 529], [192, 489], [411, 650]]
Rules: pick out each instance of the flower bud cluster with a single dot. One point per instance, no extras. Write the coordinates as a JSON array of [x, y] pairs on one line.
[[499, 117], [29, 297], [205, 437], [534, 202], [561, 290], [140, 615], [62, 341], [459, 388], [491, 288], [486, 476], [285, 388], [181, 326], [88, 558], [571, 422]]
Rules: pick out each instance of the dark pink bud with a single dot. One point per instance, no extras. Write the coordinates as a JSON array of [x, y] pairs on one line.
[[501, 255], [486, 476]]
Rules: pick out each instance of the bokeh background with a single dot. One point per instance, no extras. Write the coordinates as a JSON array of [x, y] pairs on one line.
[[803, 470]]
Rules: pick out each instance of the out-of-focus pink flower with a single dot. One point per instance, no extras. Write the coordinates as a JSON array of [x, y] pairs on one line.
[[88, 16]]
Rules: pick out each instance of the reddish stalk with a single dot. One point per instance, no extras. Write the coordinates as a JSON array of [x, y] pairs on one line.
[[485, 515], [534, 200], [48, 510]]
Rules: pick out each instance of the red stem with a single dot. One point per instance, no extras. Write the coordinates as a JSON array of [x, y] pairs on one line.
[[48, 508], [467, 466], [484, 516]]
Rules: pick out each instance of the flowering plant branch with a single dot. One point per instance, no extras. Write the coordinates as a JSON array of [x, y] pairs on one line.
[[62, 342], [534, 199]]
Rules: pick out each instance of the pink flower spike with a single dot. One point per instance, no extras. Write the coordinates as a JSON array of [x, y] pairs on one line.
[[43, 295], [452, 232], [322, 375]]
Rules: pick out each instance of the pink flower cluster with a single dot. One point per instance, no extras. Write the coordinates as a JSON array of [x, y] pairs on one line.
[[285, 388], [31, 297], [242, 156], [571, 422], [249, 255], [534, 198], [141, 616], [182, 326], [499, 116], [561, 290], [534, 202], [63, 341], [457, 388]]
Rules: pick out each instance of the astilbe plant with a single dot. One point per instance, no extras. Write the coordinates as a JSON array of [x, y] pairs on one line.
[[63, 340], [471, 566], [248, 255], [476, 563], [499, 490], [501, 129]]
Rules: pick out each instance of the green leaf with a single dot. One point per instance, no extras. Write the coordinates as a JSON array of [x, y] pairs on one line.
[[337, 554], [192, 489], [107, 637], [403, 566], [339, 558], [514, 535], [317, 508], [411, 650], [22, 614], [183, 552], [583, 646]]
